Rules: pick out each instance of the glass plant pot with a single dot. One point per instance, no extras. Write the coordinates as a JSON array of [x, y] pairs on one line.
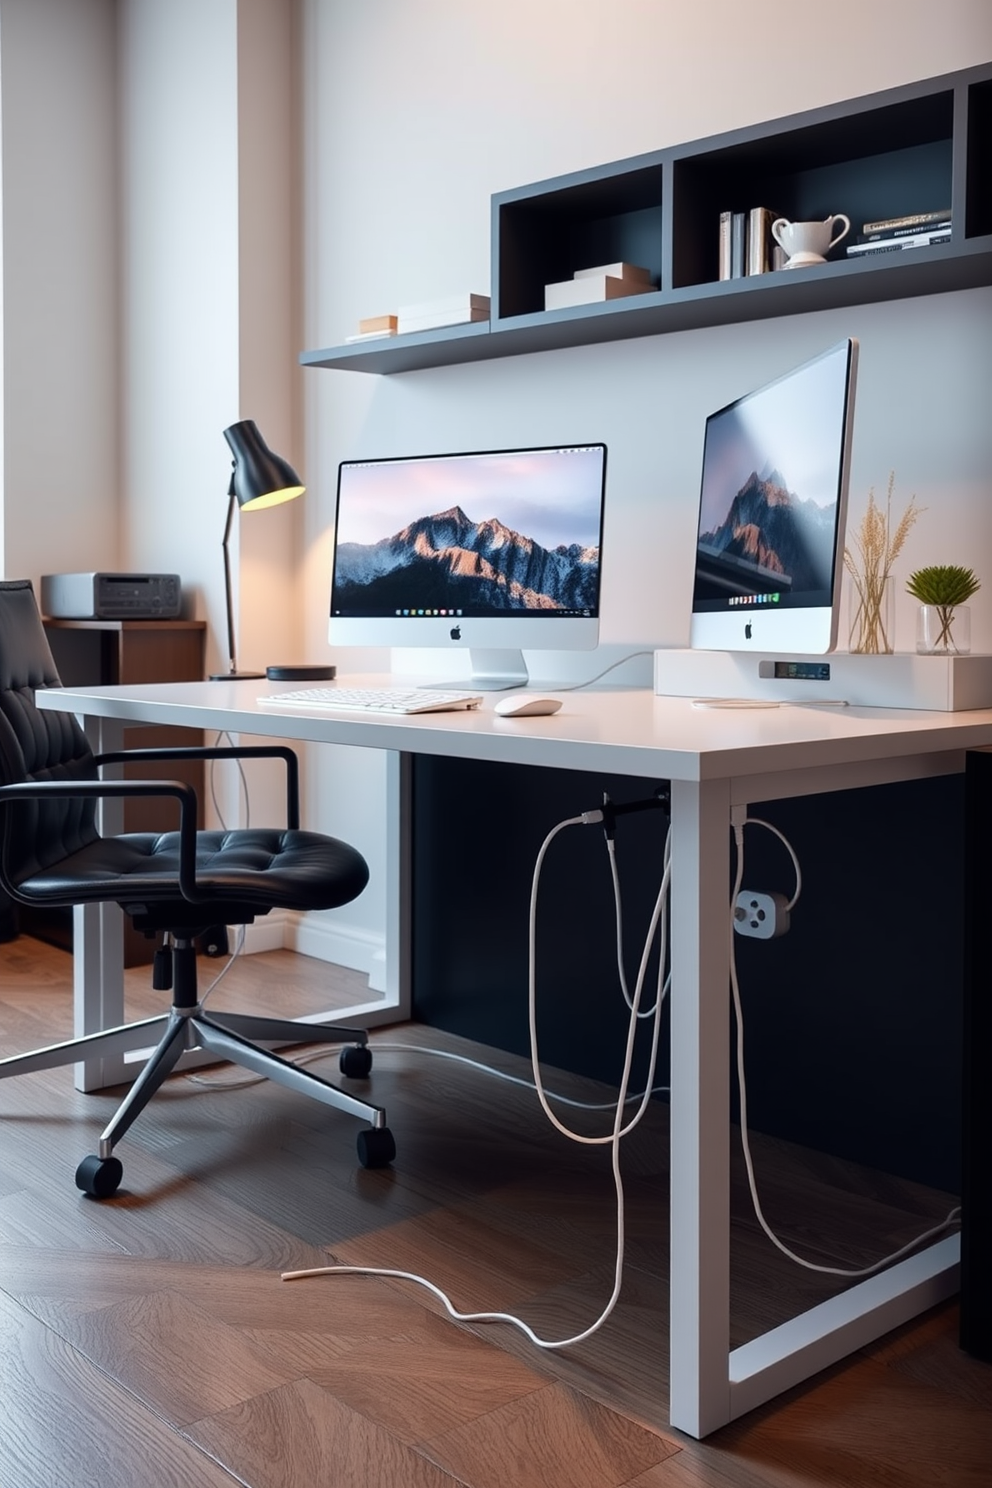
[[943, 630], [872, 617]]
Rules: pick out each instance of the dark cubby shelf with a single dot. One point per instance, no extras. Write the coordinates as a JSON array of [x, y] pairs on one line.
[[925, 146]]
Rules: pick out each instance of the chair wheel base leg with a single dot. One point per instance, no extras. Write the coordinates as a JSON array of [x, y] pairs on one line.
[[376, 1147], [99, 1176]]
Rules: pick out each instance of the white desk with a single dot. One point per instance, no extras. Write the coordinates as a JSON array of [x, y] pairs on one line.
[[714, 760]]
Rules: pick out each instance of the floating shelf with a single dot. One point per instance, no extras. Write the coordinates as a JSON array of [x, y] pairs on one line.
[[924, 146]]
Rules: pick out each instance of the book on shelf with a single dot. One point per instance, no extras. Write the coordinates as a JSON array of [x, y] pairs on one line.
[[369, 336], [942, 224], [373, 323], [898, 245], [746, 243], [911, 219], [759, 239], [726, 222], [738, 243]]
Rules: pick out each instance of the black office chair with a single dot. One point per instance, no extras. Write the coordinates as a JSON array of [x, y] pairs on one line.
[[176, 884]]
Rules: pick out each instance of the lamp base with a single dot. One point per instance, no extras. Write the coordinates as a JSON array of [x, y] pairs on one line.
[[235, 676], [314, 672]]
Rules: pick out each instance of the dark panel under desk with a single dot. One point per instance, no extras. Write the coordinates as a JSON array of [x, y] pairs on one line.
[[976, 1177], [477, 830], [853, 1019]]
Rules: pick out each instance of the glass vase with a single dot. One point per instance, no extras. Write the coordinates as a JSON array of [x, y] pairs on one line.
[[943, 630], [872, 617]]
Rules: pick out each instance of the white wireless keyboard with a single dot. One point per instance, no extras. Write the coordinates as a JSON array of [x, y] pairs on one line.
[[375, 699]]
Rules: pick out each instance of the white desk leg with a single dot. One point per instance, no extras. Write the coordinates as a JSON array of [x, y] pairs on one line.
[[700, 1108], [398, 887], [98, 942]]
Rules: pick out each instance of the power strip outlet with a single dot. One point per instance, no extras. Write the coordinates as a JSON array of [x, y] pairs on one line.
[[762, 916]]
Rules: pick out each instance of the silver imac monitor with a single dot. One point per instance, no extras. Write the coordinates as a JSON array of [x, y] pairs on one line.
[[772, 512], [497, 551]]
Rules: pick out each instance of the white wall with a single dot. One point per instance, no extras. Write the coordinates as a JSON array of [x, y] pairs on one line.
[[60, 423]]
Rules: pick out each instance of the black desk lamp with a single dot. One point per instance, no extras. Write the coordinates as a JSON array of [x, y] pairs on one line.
[[258, 478]]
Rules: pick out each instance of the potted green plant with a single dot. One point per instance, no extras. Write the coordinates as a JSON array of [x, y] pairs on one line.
[[942, 590]]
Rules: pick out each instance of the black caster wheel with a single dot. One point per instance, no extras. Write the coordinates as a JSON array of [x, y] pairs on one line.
[[99, 1176], [376, 1148], [355, 1061]]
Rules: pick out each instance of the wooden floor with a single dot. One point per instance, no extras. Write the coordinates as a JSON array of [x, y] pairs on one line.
[[148, 1341]]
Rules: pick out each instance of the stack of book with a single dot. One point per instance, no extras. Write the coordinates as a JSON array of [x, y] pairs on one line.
[[458, 309], [746, 243], [592, 286], [373, 327], [894, 234]]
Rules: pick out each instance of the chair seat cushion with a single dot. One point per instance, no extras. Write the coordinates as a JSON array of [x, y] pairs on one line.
[[259, 868]]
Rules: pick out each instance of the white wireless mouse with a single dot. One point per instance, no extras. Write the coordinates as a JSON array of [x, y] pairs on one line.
[[526, 705]]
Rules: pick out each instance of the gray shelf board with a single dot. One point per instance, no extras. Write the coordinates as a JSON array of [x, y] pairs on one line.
[[917, 271], [442, 347]]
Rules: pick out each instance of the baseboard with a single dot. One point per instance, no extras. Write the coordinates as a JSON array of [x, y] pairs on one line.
[[357, 949]]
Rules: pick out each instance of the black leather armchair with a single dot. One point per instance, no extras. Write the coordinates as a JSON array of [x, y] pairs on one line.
[[175, 885]]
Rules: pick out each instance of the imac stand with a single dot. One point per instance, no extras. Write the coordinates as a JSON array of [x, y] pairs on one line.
[[491, 671]]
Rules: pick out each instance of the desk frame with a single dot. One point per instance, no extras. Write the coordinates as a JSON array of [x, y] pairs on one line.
[[714, 762]]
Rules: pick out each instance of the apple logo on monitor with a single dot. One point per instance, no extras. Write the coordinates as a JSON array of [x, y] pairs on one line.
[[747, 631], [456, 632]]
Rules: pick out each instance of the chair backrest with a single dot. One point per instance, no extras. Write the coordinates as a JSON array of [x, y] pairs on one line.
[[36, 745]]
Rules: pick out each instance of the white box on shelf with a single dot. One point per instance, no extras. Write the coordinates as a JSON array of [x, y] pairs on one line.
[[463, 300], [457, 309], [617, 271], [591, 289], [939, 684], [441, 318]]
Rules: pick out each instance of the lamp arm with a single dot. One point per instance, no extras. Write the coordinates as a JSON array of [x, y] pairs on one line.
[[227, 580]]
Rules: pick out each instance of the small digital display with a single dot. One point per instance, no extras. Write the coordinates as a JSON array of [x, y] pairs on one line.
[[803, 671]]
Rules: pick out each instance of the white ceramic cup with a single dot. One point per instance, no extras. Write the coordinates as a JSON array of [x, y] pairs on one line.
[[810, 242]]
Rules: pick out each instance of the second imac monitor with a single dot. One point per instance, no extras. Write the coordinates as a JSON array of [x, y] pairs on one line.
[[773, 505], [497, 551]]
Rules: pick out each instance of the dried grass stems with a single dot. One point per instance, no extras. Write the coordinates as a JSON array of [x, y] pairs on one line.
[[877, 546]]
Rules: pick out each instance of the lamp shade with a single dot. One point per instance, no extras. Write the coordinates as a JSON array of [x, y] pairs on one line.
[[259, 478]]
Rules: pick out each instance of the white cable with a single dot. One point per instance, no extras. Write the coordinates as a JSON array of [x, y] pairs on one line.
[[243, 784], [758, 821], [577, 686], [322, 1051], [621, 972], [618, 1132], [745, 1138]]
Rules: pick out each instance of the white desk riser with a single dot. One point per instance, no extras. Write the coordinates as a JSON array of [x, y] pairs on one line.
[[714, 760]]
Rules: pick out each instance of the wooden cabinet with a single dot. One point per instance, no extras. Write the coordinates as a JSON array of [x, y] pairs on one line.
[[925, 146], [89, 652]]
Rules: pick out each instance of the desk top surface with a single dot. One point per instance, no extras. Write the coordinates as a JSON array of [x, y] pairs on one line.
[[621, 730]]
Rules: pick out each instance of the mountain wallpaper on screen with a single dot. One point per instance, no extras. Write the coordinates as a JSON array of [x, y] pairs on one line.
[[448, 561], [769, 525]]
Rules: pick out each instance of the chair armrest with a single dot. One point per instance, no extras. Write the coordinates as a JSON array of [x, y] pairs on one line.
[[186, 795], [226, 751]]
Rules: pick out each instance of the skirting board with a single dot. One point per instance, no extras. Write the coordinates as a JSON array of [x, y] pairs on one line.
[[339, 945], [940, 684]]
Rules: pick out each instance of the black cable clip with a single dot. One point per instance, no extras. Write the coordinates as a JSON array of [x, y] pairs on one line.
[[660, 800]]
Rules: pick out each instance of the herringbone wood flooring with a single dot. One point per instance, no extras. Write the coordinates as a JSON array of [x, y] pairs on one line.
[[149, 1340]]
